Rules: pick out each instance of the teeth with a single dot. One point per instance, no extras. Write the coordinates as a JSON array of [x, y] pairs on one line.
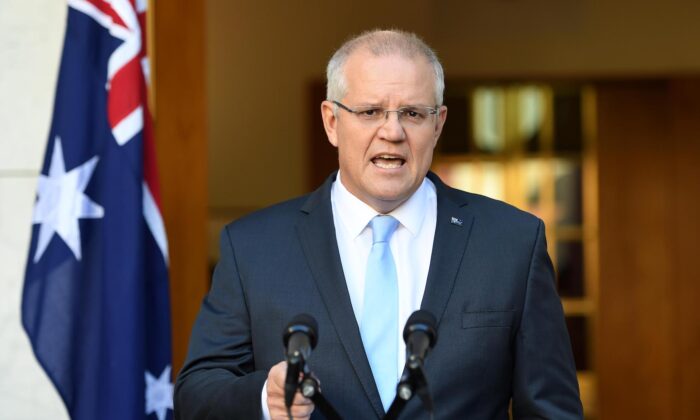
[[388, 163]]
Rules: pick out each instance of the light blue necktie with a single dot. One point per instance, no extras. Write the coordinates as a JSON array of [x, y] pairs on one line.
[[379, 323]]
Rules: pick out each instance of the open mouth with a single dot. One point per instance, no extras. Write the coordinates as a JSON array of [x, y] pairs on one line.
[[388, 161]]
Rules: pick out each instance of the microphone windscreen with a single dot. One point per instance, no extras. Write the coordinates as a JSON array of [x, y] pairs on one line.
[[421, 320], [303, 323]]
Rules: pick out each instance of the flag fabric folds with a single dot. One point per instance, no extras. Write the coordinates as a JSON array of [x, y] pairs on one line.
[[95, 303]]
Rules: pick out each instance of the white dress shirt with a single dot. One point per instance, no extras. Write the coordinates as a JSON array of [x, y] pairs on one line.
[[411, 246]]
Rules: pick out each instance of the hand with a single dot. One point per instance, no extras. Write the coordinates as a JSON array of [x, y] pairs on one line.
[[302, 407]]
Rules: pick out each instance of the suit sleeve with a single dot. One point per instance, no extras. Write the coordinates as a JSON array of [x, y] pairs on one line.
[[544, 379], [218, 380]]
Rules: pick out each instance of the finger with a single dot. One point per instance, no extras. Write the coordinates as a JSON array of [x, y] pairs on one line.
[[301, 400], [299, 412], [302, 411], [277, 374], [277, 401]]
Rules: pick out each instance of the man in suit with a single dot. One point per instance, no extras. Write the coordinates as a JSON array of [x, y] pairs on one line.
[[478, 265]]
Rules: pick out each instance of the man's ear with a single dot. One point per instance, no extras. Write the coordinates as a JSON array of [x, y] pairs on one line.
[[441, 118], [330, 122]]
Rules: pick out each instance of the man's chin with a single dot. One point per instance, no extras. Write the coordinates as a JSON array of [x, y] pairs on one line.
[[388, 200]]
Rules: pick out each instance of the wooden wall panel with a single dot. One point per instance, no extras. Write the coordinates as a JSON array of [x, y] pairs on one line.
[[180, 132], [685, 127], [635, 305], [648, 203]]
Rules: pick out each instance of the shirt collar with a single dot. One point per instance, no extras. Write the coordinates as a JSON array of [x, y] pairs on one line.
[[355, 214]]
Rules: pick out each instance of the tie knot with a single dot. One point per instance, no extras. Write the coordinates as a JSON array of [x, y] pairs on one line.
[[382, 228]]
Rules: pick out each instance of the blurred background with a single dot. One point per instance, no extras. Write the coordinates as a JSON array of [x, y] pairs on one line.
[[584, 113]]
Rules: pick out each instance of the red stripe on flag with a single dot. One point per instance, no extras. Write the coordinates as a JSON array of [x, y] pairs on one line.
[[144, 38], [150, 168], [106, 8], [125, 92]]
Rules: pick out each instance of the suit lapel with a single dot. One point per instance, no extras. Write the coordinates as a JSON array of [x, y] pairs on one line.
[[316, 233], [452, 232]]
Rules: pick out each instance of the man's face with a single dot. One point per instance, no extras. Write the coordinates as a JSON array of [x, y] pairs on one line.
[[384, 163]]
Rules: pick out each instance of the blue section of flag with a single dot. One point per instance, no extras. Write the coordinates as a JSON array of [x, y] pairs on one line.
[[98, 324]]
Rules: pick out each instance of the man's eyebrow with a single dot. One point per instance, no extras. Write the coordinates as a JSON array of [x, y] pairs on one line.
[[378, 105]]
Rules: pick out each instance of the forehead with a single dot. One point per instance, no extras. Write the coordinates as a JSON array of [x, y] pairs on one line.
[[389, 78]]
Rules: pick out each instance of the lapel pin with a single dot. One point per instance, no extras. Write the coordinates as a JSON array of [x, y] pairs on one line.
[[456, 221]]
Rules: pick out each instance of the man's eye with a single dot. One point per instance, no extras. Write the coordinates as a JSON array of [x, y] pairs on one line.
[[413, 114], [373, 112]]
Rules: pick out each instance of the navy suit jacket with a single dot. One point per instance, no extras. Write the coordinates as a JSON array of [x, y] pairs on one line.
[[501, 330]]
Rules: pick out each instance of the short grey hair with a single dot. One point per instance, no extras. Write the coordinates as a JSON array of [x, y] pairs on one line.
[[381, 43]]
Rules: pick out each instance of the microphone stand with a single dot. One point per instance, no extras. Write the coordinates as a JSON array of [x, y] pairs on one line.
[[306, 326], [412, 382], [310, 389]]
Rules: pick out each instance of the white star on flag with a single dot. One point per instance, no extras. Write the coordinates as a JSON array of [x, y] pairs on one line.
[[159, 393], [62, 201]]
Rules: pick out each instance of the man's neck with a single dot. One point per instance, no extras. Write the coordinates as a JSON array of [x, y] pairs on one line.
[[380, 206]]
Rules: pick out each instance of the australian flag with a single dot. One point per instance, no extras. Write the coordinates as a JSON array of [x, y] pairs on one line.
[[96, 300]]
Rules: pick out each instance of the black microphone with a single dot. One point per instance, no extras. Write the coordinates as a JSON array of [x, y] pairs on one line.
[[420, 336], [300, 338]]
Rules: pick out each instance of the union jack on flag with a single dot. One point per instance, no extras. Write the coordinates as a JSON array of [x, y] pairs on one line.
[[95, 303]]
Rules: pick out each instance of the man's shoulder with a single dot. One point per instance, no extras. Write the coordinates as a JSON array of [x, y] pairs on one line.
[[283, 216], [493, 212], [280, 214], [481, 206], [500, 224]]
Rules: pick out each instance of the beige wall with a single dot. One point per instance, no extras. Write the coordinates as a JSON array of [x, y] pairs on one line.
[[31, 37], [261, 56]]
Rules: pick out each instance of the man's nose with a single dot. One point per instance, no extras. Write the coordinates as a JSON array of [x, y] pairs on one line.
[[391, 128]]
